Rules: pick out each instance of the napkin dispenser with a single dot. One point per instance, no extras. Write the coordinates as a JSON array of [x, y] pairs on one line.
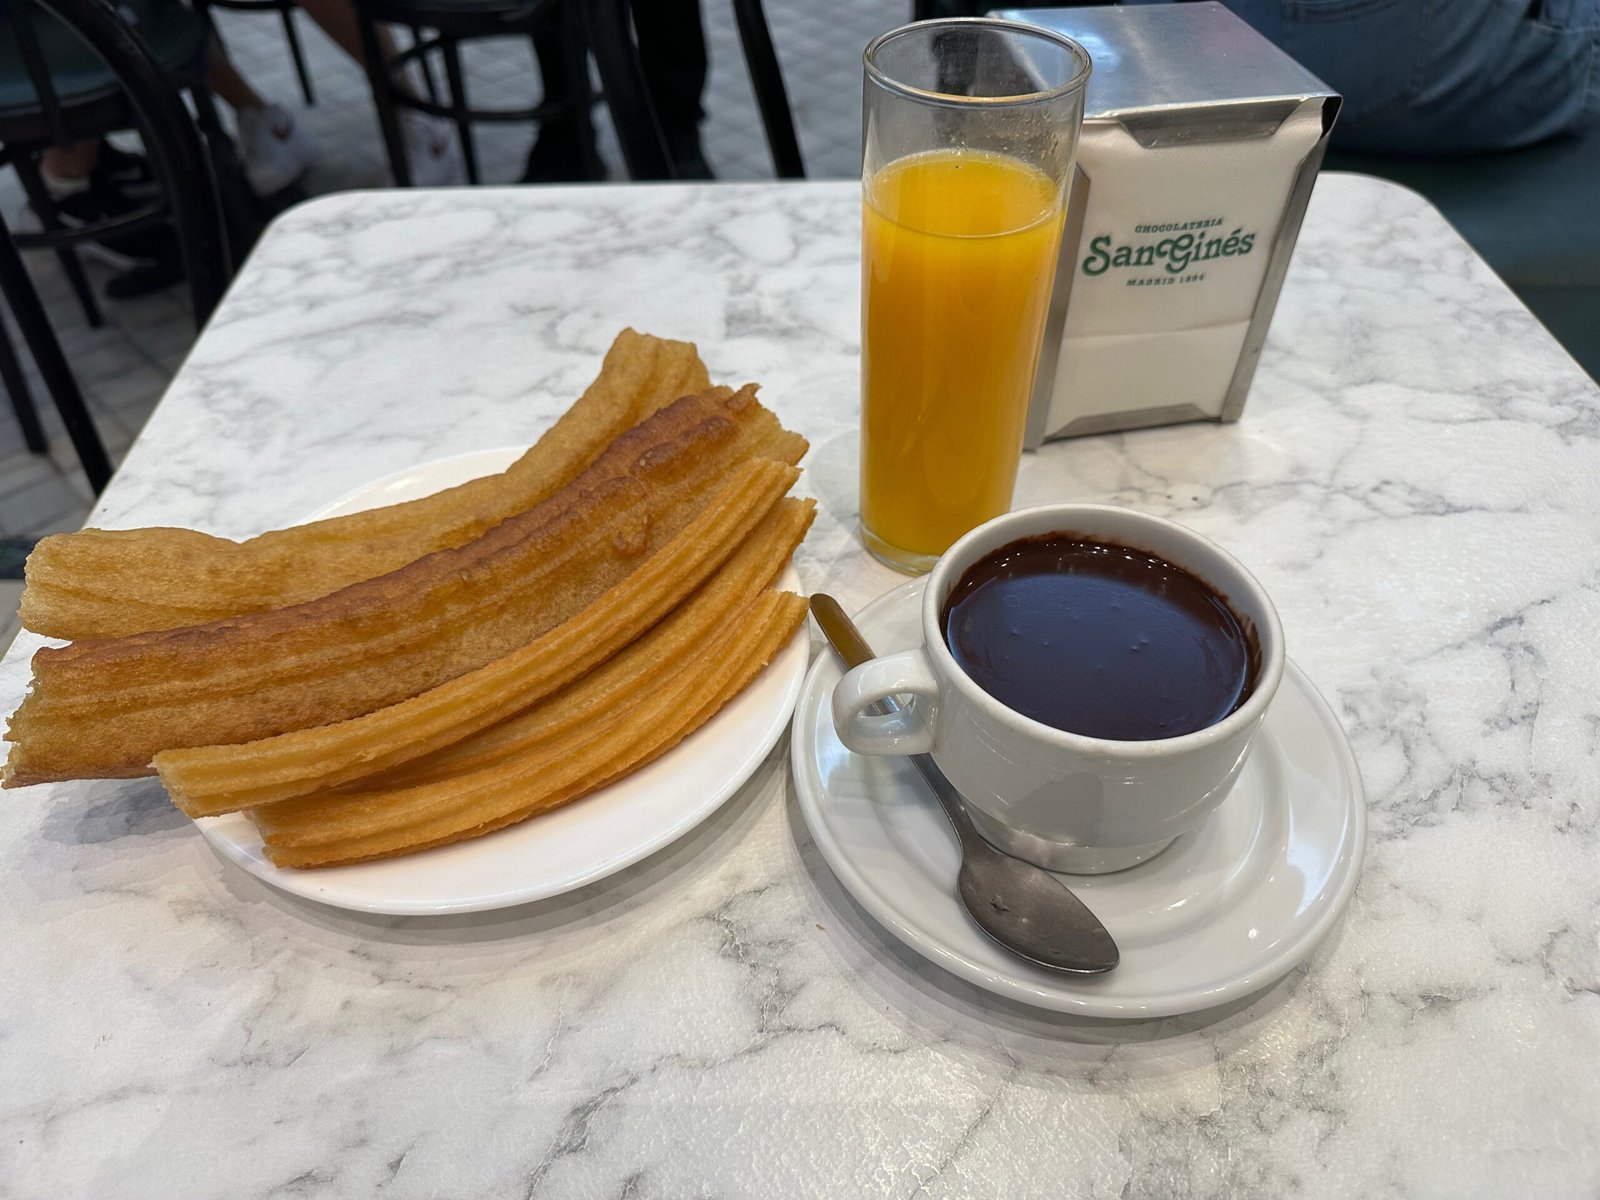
[[1201, 143]]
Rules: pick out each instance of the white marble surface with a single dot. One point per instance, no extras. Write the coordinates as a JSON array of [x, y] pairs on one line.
[[1416, 481]]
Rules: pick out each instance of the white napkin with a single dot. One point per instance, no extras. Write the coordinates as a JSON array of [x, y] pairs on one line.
[[1174, 247]]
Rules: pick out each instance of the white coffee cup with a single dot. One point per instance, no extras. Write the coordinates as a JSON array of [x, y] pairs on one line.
[[1061, 800]]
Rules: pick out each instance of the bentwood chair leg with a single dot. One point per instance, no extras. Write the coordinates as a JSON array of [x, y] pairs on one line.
[[297, 52], [458, 101], [575, 48], [425, 65], [610, 37], [44, 207], [380, 77], [240, 219], [766, 79], [16, 384], [52, 364]]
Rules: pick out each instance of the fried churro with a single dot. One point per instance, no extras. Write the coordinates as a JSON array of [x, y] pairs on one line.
[[106, 708], [110, 583], [747, 520], [648, 663], [346, 827]]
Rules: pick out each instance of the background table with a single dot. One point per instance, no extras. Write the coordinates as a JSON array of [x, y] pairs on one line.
[[1416, 481]]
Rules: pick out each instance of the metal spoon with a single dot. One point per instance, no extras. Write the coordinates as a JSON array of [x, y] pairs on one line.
[[1025, 909]]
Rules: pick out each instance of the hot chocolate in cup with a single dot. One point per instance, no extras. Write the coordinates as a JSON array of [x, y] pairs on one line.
[[1063, 799]]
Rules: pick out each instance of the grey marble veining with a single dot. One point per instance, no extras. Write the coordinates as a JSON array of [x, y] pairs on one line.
[[1417, 483]]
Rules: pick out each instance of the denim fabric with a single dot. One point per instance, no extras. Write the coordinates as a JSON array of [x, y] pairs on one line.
[[1445, 76]]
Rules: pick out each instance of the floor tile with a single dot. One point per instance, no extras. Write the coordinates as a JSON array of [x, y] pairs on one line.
[[68, 523], [22, 470], [133, 389], [110, 361], [49, 500]]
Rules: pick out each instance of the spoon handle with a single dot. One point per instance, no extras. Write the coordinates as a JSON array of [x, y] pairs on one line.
[[853, 650], [841, 632]]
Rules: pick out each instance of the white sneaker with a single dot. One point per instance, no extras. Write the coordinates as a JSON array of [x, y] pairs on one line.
[[277, 150], [432, 150]]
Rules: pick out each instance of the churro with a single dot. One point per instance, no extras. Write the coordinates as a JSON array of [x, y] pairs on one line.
[[650, 662], [105, 708], [348, 827], [747, 520], [110, 583]]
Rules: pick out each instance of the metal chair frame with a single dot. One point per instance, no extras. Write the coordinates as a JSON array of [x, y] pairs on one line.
[[183, 168], [285, 10], [438, 31], [622, 80]]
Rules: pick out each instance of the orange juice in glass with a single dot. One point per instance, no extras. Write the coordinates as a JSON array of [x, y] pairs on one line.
[[971, 128]]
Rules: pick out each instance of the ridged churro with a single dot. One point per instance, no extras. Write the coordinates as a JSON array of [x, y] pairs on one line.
[[741, 522], [650, 662], [354, 826], [105, 708], [110, 583]]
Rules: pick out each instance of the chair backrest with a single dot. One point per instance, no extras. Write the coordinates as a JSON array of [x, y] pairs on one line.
[[19, 14], [174, 146], [622, 80]]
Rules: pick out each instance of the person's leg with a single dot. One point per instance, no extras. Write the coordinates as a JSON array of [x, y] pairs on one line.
[[1471, 76], [275, 148], [65, 164], [432, 152], [558, 152], [225, 82], [337, 19], [73, 186], [672, 52]]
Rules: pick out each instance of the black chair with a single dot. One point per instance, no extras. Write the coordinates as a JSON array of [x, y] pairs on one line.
[[30, 49], [438, 28], [622, 80], [57, 41], [285, 10]]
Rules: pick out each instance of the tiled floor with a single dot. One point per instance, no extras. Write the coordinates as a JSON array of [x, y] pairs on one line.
[[124, 366]]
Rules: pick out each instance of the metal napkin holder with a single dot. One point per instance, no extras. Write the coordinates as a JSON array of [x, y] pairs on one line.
[[1170, 75]]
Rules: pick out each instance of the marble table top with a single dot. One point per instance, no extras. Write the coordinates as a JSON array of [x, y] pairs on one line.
[[1416, 481]]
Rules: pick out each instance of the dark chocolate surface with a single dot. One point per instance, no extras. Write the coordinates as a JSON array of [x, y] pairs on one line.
[[1099, 639]]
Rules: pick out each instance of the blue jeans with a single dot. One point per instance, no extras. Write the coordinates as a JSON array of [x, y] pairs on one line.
[[1444, 76]]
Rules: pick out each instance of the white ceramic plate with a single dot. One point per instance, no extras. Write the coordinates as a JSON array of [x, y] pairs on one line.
[[1224, 911], [565, 849]]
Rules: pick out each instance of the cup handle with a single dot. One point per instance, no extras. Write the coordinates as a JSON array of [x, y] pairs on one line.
[[903, 731]]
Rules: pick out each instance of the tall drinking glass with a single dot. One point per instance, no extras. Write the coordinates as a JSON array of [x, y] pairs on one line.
[[970, 128]]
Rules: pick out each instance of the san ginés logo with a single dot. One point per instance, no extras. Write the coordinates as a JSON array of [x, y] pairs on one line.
[[1174, 248]]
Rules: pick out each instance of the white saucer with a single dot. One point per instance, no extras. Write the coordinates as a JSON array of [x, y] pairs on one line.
[[1224, 911], [575, 845]]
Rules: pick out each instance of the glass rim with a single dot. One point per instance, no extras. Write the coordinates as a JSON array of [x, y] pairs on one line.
[[1083, 65]]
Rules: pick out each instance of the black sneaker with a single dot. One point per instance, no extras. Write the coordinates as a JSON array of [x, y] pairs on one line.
[[128, 172], [688, 155], [102, 201], [557, 157], [141, 281]]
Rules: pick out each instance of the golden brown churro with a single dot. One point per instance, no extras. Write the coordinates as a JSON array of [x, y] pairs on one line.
[[354, 826], [110, 583], [650, 662], [105, 708], [209, 780]]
